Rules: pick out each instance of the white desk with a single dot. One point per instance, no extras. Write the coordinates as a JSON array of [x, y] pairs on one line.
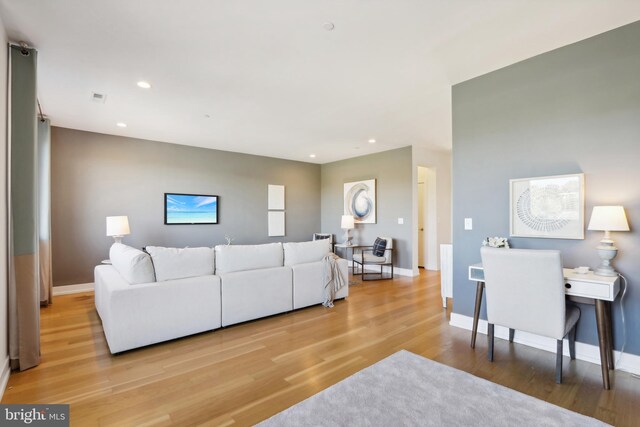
[[600, 289]]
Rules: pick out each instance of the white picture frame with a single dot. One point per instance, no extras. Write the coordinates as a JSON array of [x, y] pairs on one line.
[[360, 201], [550, 207], [276, 197], [276, 224]]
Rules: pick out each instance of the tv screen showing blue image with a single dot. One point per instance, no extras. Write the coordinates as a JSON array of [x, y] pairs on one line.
[[190, 209]]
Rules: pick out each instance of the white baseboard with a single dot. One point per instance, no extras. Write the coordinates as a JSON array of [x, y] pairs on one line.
[[72, 289], [396, 271], [587, 352], [4, 376]]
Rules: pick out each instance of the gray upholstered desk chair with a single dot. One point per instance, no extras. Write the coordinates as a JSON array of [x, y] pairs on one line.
[[525, 292]]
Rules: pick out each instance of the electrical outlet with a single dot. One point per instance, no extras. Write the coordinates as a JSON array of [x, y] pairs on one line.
[[468, 224], [400, 221]]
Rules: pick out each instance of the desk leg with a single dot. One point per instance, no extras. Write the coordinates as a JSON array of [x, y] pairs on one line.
[[476, 312], [607, 324], [602, 341]]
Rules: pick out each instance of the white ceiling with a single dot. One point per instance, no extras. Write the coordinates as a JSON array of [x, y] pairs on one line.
[[272, 79]]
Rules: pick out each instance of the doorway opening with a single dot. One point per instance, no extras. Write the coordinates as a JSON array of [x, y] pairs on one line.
[[427, 219]]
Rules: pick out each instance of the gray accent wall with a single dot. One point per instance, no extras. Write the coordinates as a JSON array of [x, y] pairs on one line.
[[96, 175], [393, 171], [575, 109]]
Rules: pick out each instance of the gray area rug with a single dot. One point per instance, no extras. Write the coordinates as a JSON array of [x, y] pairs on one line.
[[408, 390]]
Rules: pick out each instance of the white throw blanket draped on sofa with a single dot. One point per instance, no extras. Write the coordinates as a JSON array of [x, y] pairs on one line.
[[333, 280]]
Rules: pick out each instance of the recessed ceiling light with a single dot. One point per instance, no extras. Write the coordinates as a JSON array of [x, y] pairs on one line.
[[144, 85], [207, 116], [372, 141], [121, 125], [313, 156], [328, 26]]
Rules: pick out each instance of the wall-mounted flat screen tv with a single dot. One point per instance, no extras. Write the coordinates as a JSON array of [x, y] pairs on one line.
[[190, 209]]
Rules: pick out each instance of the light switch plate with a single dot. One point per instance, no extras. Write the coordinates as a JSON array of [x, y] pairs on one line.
[[468, 224], [400, 221]]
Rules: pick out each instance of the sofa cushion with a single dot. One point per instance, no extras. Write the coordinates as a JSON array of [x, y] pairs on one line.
[[180, 263], [230, 258], [133, 265], [304, 252]]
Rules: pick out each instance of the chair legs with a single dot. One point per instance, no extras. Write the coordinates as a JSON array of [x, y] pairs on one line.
[[379, 275], [572, 342], [490, 336], [572, 348], [559, 361]]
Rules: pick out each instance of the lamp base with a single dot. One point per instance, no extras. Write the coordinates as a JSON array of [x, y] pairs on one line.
[[605, 271], [117, 239], [347, 239], [607, 252]]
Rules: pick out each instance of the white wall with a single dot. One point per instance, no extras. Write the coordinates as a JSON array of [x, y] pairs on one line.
[[438, 162], [4, 351]]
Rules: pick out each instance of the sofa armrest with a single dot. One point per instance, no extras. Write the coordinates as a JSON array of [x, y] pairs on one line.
[[138, 315]]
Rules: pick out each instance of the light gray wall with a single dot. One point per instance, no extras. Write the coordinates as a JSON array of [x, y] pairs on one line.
[[575, 109], [96, 175], [4, 351], [393, 171]]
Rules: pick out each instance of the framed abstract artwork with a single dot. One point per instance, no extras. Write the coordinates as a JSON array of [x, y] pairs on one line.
[[548, 207], [360, 201]]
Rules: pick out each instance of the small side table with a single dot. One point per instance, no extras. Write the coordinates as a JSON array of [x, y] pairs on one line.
[[346, 252]]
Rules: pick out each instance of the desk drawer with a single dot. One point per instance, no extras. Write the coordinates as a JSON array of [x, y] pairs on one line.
[[587, 289]]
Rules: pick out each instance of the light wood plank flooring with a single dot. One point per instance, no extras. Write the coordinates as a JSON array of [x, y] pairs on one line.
[[245, 373]]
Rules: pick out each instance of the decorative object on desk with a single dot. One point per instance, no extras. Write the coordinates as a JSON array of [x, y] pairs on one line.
[[607, 219], [496, 242], [180, 209], [581, 270], [548, 207], [347, 224], [360, 201], [229, 239], [118, 227]]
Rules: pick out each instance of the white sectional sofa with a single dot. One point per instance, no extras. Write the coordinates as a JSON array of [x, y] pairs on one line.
[[165, 293]]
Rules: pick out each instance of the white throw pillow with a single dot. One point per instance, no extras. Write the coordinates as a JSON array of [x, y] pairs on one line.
[[230, 258], [132, 264], [304, 252], [180, 263]]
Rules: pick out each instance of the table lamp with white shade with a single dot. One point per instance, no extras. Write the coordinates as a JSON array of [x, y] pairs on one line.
[[607, 219], [347, 224], [118, 227]]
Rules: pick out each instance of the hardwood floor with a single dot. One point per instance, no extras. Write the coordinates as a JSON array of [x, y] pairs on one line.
[[245, 373]]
